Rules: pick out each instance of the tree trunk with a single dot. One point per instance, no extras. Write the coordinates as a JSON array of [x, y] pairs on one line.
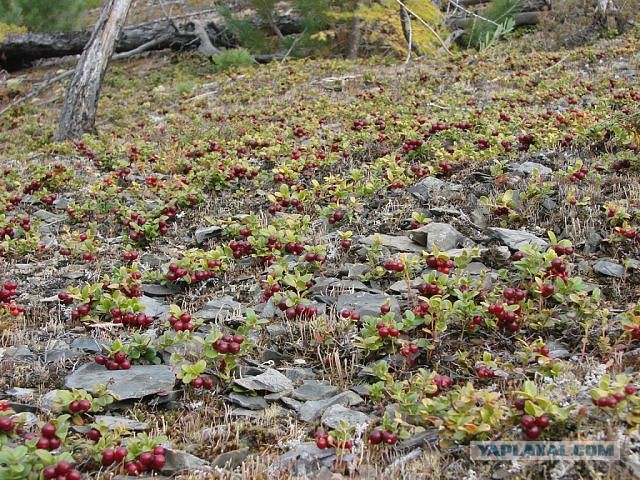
[[81, 97], [355, 34]]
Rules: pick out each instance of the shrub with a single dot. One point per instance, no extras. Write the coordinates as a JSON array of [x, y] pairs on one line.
[[499, 21], [237, 57], [44, 15]]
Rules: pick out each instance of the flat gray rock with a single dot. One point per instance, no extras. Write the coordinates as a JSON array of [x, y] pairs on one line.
[[609, 268], [314, 390], [270, 381], [114, 421], [530, 168], [219, 308], [367, 303], [516, 239], [442, 235], [312, 410], [48, 217], [301, 461], [335, 414], [202, 234], [86, 344], [395, 243], [247, 401], [179, 461], [432, 188], [61, 355], [137, 382], [231, 460], [156, 290], [153, 307]]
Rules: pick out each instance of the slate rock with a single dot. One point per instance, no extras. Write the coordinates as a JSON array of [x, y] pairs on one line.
[[395, 243], [529, 168], [516, 239], [219, 308], [153, 307], [156, 290], [296, 374], [115, 421], [61, 355], [271, 381], [432, 188], [367, 303], [333, 415], [609, 268], [203, 234], [302, 461], [22, 352], [48, 217], [179, 461], [86, 344], [247, 401], [442, 235], [231, 460], [137, 382], [312, 410], [314, 390]]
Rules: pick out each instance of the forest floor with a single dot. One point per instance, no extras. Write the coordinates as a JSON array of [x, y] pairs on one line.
[[263, 273]]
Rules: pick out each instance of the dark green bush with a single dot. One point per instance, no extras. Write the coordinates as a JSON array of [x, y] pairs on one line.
[[45, 15]]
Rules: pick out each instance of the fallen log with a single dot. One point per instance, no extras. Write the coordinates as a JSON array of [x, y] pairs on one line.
[[19, 51], [521, 19]]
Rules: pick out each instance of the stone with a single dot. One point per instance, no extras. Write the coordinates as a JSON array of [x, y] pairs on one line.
[[420, 439], [400, 286], [367, 303], [61, 355], [609, 268], [354, 270], [395, 243], [113, 422], [312, 410], [557, 350], [271, 381], [22, 352], [295, 374], [153, 307], [231, 460], [23, 394], [549, 204], [204, 233], [516, 239], [48, 217], [179, 461], [247, 401], [432, 188], [335, 414], [291, 403], [137, 382], [442, 235], [530, 168], [86, 344], [301, 461], [156, 290], [314, 390], [219, 308]]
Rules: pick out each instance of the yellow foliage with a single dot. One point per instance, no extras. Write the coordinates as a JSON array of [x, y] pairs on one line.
[[383, 20], [8, 29]]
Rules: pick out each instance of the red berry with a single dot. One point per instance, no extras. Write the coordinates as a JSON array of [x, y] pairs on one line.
[[375, 437], [120, 454], [63, 467], [527, 421], [49, 472], [542, 421], [158, 461], [533, 432], [48, 430], [630, 389]]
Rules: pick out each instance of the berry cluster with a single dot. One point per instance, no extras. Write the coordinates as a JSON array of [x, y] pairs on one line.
[[620, 164], [324, 440], [419, 172], [114, 455], [7, 422], [7, 295], [533, 426], [445, 169], [382, 436], [131, 319], [228, 344], [429, 290], [79, 406], [579, 175], [557, 268], [130, 255], [507, 319], [421, 310], [181, 324], [350, 314], [440, 264], [408, 349], [336, 216], [176, 272], [241, 248], [394, 266], [299, 311], [629, 233], [385, 330], [611, 401], [150, 461], [542, 350], [525, 141], [294, 248], [239, 172], [202, 381], [475, 322], [48, 439], [484, 371], [62, 471], [285, 203], [443, 382], [314, 257], [119, 361]]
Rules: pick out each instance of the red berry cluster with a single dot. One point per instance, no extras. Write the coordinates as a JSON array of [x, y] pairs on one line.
[[579, 175], [181, 324], [411, 145], [394, 265], [525, 141], [440, 264], [629, 233], [311, 257], [408, 349], [323, 440], [385, 330], [241, 248], [131, 319], [483, 144], [557, 268], [485, 372], [475, 322], [612, 400], [543, 350], [114, 455], [421, 310], [336, 216], [620, 164], [49, 199], [7, 423], [350, 314], [228, 344], [9, 229], [501, 211], [153, 460], [507, 319], [130, 255], [419, 172], [239, 173], [79, 406], [285, 203], [48, 439], [382, 436], [533, 426], [445, 169], [119, 361], [202, 381], [359, 125], [62, 471], [177, 273], [294, 248], [7, 295], [170, 211], [396, 185], [82, 311], [299, 311], [429, 290]]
